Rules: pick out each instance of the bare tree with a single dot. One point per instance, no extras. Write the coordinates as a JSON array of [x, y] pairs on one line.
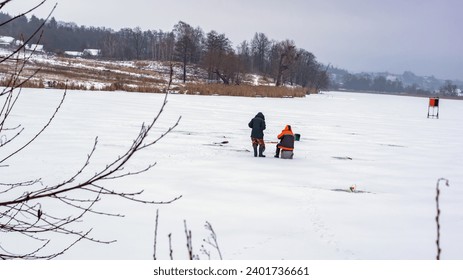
[[109, 45], [139, 42], [448, 89], [244, 56], [219, 56], [23, 212], [287, 56], [188, 44], [260, 49]]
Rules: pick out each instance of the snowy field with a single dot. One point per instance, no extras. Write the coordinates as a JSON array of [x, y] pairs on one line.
[[260, 208]]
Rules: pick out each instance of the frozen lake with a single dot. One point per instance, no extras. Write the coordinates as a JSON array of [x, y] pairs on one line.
[[260, 208]]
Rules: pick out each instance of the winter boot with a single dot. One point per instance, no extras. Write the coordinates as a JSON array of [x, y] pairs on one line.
[[255, 150], [277, 153], [261, 151]]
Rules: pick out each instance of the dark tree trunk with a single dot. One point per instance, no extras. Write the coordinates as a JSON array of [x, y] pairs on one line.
[[224, 78], [184, 72], [281, 69]]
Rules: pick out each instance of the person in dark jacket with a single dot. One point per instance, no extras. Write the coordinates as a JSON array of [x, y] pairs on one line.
[[286, 140], [257, 134]]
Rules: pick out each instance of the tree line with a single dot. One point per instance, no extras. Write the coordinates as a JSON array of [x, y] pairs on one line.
[[280, 61], [369, 83]]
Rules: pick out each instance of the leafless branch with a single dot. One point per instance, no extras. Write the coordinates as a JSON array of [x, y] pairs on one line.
[[38, 133], [212, 239], [25, 206], [171, 252], [438, 214], [189, 242], [2, 4], [156, 234], [30, 38]]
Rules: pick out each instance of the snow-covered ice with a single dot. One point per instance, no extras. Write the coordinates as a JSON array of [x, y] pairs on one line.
[[260, 208]]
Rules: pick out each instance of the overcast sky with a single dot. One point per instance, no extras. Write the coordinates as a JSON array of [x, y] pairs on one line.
[[422, 36]]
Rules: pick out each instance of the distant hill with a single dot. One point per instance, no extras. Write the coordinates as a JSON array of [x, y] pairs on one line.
[[407, 82]]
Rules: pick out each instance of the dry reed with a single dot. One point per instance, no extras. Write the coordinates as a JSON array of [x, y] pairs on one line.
[[243, 90]]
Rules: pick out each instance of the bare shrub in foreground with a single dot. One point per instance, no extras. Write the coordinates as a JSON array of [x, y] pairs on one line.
[[438, 215], [23, 215]]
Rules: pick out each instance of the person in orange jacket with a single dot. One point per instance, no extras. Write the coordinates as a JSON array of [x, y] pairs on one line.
[[286, 140]]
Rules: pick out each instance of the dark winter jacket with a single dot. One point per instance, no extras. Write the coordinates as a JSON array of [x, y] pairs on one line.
[[258, 126], [286, 139]]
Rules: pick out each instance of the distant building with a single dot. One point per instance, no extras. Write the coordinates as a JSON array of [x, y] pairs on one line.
[[73, 53], [6, 41], [35, 47], [18, 43], [84, 53], [91, 52]]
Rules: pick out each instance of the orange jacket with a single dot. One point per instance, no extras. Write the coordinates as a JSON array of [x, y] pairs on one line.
[[286, 139], [286, 131]]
